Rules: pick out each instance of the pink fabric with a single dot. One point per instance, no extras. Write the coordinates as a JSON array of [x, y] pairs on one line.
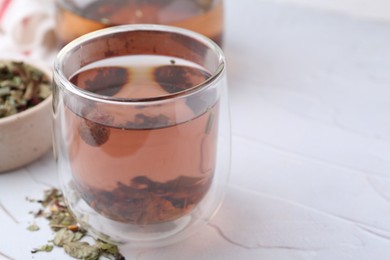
[[27, 28], [3, 7]]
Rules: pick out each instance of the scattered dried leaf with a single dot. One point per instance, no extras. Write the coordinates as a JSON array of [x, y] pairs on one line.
[[45, 248], [82, 250], [65, 236], [33, 227], [109, 250], [68, 233]]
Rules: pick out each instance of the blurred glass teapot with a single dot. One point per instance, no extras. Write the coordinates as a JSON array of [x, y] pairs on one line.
[[76, 18]]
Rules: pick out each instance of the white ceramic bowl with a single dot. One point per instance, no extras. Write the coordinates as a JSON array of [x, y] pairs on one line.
[[26, 136]]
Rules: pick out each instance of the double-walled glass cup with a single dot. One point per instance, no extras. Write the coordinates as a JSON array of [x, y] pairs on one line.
[[142, 132], [76, 18]]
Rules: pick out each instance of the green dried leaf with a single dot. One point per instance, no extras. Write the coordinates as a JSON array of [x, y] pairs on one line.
[[78, 236], [33, 227], [17, 82], [45, 248], [50, 196], [44, 91], [65, 236], [61, 219], [4, 91], [82, 250], [68, 234], [107, 248]]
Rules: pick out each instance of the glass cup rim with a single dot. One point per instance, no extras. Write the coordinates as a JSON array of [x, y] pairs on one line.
[[70, 87]]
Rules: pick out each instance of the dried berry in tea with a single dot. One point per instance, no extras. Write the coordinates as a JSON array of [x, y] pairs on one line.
[[174, 79], [93, 129], [144, 201]]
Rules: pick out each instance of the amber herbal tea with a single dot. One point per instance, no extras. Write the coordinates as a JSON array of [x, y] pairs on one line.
[[141, 132], [202, 16], [146, 165]]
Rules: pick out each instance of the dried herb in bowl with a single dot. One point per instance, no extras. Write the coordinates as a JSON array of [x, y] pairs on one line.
[[21, 86]]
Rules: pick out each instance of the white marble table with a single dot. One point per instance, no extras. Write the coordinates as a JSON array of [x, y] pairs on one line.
[[310, 179]]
